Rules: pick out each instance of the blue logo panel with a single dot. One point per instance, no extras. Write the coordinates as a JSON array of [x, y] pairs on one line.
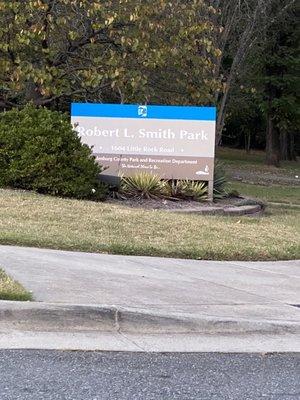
[[143, 111]]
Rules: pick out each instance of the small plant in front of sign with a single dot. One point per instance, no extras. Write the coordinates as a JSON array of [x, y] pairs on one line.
[[144, 186], [191, 190], [220, 182], [147, 186]]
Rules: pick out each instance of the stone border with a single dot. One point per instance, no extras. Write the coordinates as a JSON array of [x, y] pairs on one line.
[[225, 211]]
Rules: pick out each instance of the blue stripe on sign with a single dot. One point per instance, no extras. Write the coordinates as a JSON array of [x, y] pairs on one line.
[[143, 112]]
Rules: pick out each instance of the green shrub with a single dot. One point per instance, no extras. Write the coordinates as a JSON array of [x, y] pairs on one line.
[[188, 190], [144, 186], [175, 189], [196, 190], [220, 181], [39, 150]]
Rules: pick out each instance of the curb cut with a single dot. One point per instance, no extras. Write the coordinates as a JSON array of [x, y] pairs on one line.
[[49, 317]]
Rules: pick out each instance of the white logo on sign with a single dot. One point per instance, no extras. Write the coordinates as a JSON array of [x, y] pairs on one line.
[[205, 172], [143, 111]]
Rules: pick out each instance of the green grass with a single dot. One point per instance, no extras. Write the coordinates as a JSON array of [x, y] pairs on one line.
[[29, 219], [12, 290], [251, 177], [251, 168], [241, 158], [275, 193]]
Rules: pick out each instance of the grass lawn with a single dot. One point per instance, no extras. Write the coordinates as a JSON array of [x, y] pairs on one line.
[[251, 168], [256, 158], [12, 290], [251, 177], [275, 193], [29, 219]]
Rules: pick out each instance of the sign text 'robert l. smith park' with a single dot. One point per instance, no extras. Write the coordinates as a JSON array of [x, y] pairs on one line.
[[172, 142]]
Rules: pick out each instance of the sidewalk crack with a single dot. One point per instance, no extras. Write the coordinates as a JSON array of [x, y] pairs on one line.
[[132, 342]]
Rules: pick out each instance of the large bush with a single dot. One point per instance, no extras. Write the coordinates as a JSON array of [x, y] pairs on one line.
[[39, 150]]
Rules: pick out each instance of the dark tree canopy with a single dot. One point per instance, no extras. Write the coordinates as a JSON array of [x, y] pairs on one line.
[[240, 55]]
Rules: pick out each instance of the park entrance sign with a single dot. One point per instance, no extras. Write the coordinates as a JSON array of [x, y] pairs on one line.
[[172, 142]]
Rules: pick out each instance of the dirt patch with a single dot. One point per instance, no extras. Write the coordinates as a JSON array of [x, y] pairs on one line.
[[164, 204]]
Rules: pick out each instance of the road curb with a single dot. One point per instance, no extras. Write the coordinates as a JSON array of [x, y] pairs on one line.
[[50, 317]]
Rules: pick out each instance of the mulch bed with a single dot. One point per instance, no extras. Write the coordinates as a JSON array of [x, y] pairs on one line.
[[163, 204]]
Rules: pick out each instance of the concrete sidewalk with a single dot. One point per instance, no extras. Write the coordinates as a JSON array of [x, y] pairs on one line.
[[233, 292]]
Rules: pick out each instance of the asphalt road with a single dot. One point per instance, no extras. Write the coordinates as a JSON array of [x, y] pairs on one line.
[[43, 375]]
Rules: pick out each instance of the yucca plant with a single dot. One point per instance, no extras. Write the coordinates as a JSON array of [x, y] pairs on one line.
[[189, 190], [220, 181], [144, 186], [194, 190], [176, 189]]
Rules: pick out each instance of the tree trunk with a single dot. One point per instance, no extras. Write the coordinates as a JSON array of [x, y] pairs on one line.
[[292, 154], [287, 146], [222, 112], [272, 142], [248, 142], [220, 120], [284, 145]]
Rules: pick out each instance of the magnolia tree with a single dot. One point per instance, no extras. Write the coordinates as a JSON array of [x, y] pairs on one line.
[[90, 50]]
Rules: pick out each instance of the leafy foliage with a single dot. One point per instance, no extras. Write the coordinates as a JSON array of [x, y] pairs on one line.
[[220, 181], [40, 151], [105, 51], [188, 190], [264, 103], [144, 186]]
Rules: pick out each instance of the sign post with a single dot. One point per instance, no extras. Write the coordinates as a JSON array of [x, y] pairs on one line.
[[173, 142]]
